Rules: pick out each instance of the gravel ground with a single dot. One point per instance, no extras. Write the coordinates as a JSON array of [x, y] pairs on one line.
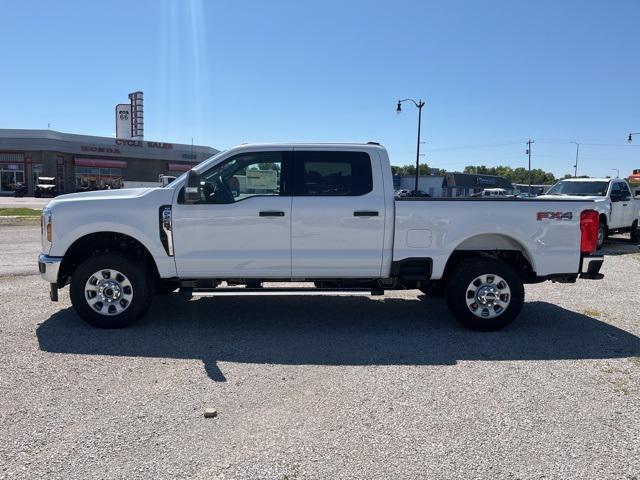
[[321, 387]]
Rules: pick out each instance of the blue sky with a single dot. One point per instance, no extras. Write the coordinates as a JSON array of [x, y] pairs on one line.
[[493, 74]]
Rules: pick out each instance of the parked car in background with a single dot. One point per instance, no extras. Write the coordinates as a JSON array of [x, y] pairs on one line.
[[46, 187], [404, 193], [19, 190], [166, 180], [418, 194], [619, 210], [494, 192]]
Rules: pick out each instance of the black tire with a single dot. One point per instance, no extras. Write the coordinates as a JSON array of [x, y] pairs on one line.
[[602, 235], [459, 286], [635, 232], [141, 285], [165, 287]]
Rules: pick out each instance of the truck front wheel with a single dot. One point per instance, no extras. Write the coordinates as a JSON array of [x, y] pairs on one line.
[[485, 294], [111, 291]]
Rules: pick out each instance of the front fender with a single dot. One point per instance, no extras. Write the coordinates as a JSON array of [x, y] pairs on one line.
[[138, 220]]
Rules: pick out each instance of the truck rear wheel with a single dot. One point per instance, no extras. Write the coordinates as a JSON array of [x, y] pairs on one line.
[[111, 291], [485, 294]]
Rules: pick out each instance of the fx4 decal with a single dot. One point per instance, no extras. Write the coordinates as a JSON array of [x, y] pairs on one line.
[[554, 215]]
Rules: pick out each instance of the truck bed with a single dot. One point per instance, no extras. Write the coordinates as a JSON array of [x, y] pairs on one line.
[[547, 232]]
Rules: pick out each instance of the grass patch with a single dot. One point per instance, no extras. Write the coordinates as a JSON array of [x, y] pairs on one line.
[[19, 212], [592, 313]]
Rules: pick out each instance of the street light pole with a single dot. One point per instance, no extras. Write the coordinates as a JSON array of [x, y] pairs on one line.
[[419, 104], [529, 154], [630, 137], [575, 172]]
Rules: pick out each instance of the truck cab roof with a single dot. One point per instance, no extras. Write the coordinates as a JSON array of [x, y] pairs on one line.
[[307, 145]]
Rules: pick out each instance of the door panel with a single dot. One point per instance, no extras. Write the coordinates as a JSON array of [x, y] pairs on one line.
[[619, 209], [234, 240], [627, 205], [616, 219], [337, 230], [241, 227]]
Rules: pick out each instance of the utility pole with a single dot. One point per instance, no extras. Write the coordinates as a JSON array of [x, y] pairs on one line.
[[419, 104], [575, 172], [529, 154]]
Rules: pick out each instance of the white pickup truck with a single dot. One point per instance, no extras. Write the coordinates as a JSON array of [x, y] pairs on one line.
[[619, 211], [321, 213]]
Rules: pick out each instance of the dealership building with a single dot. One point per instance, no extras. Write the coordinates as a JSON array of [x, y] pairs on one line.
[[83, 162]]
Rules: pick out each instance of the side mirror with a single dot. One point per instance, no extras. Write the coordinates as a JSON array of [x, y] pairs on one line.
[[192, 187], [616, 196]]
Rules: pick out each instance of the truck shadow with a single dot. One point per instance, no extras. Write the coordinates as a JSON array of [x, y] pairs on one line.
[[619, 245], [342, 330]]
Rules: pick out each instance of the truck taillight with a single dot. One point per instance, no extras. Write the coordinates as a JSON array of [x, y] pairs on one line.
[[589, 220]]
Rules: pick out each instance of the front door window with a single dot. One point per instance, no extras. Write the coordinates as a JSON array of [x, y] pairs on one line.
[[243, 176]]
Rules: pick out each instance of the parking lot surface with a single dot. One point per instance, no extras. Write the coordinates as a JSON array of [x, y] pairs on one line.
[[319, 386], [24, 202]]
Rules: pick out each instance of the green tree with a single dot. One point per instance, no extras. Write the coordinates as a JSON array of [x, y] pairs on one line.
[[517, 175], [411, 170]]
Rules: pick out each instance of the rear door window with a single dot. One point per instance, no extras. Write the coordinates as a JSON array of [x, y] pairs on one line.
[[624, 189], [335, 174]]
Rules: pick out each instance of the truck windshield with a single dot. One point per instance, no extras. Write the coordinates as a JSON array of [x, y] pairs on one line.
[[590, 189]]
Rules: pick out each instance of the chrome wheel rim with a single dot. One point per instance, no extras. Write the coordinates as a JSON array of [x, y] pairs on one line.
[[488, 296], [108, 292]]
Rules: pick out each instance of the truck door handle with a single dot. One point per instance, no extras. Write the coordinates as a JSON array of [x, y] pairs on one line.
[[365, 213], [271, 213]]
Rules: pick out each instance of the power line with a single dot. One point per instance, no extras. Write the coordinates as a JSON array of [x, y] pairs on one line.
[[470, 147], [505, 144], [610, 144]]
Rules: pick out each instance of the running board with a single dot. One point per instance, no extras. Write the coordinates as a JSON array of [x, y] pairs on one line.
[[220, 292]]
